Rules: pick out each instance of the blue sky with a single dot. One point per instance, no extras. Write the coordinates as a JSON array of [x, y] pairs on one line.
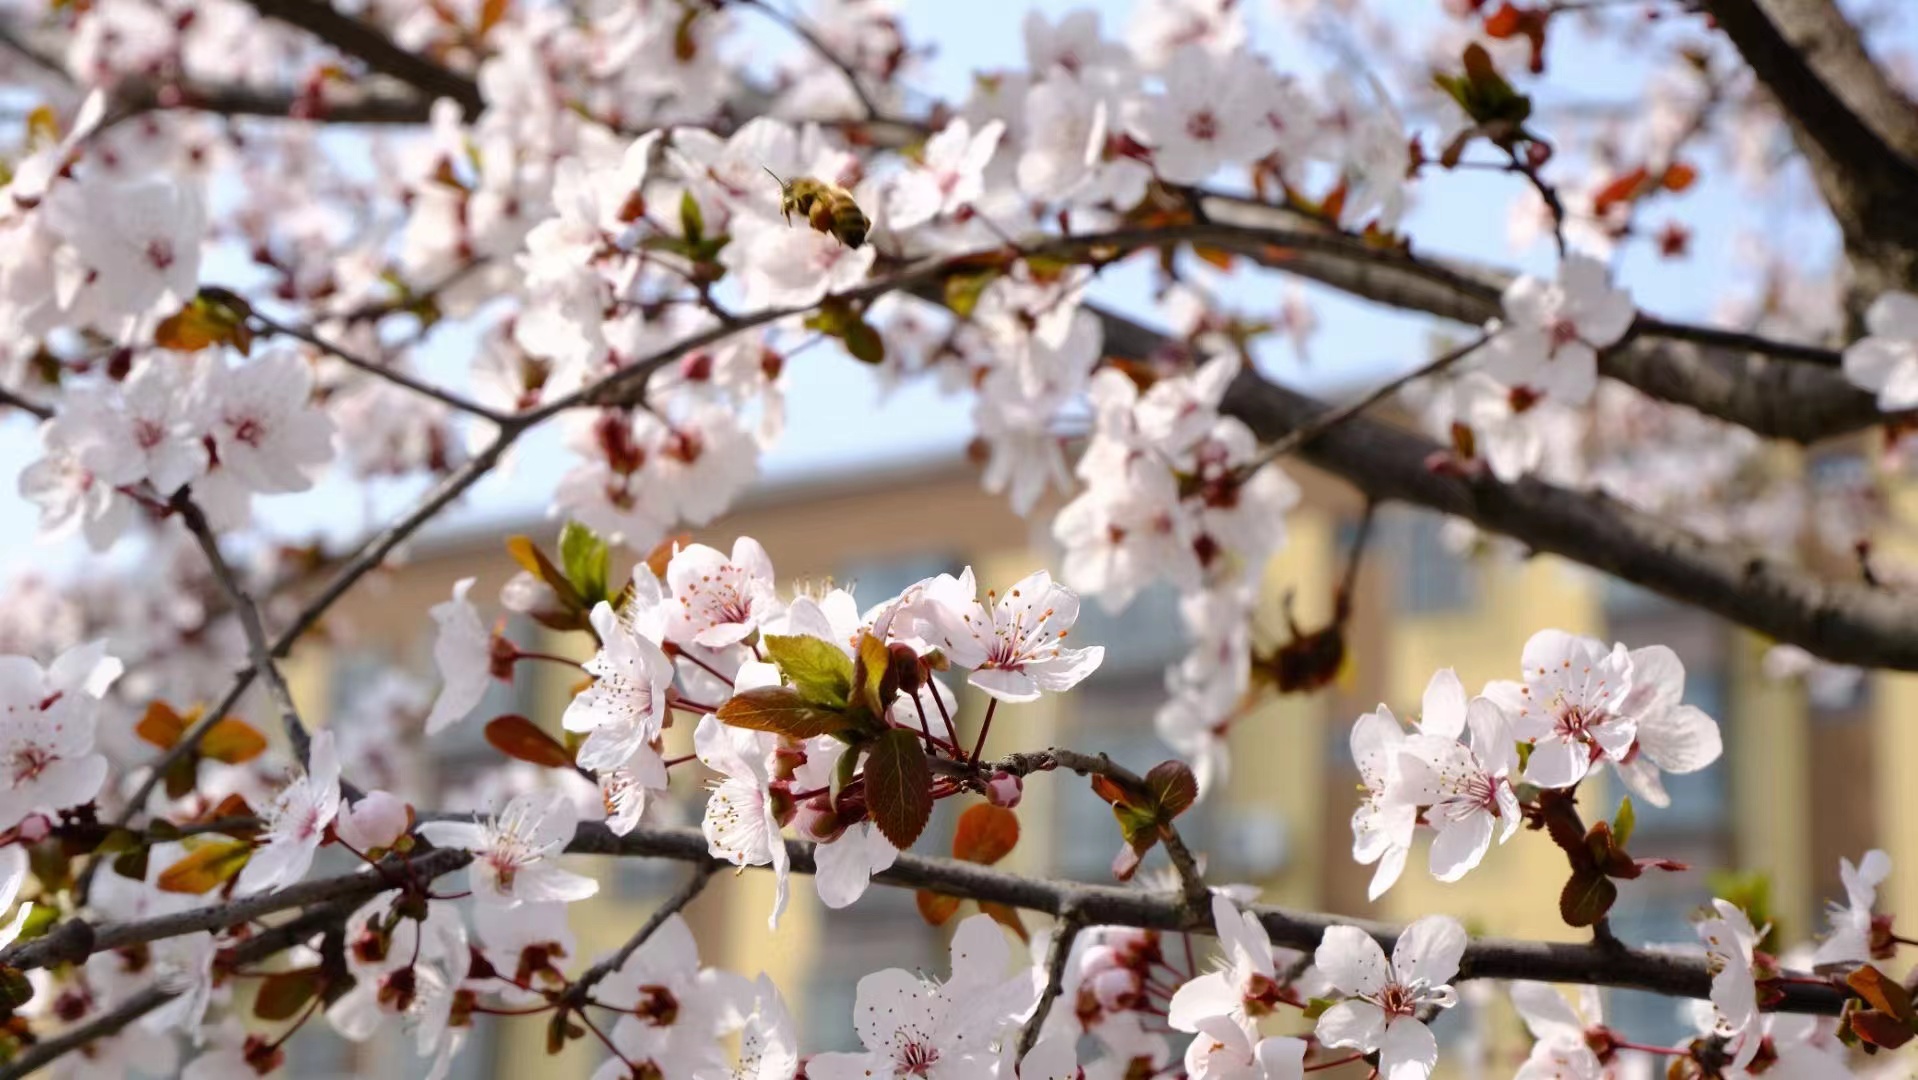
[[836, 420]]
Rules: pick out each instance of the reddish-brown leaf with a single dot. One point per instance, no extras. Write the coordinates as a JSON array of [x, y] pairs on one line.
[[1883, 993], [662, 552], [1174, 787], [985, 834], [1621, 189], [163, 727], [936, 908], [899, 786], [284, 993], [1588, 895], [1679, 176], [1880, 1029], [781, 709], [213, 860], [1007, 917], [518, 737], [233, 741]]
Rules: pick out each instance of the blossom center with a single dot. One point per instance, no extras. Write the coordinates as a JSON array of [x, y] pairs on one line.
[[30, 761], [915, 1057], [1202, 126], [160, 253]]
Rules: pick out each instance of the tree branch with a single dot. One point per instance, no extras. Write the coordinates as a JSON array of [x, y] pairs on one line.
[[393, 375], [577, 995], [370, 45], [253, 949], [1058, 953], [249, 615], [1856, 130], [75, 939], [1665, 972], [1844, 622]]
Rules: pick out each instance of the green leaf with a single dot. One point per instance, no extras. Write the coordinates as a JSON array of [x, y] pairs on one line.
[[818, 669], [132, 864], [1588, 895], [284, 993], [585, 555], [1316, 1007], [1174, 788], [869, 671], [899, 787], [864, 344], [781, 710], [534, 561], [1624, 822], [38, 922], [15, 989], [963, 290], [692, 223]]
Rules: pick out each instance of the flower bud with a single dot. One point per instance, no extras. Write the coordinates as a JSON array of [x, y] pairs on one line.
[[375, 823], [818, 821], [1004, 789], [905, 667]]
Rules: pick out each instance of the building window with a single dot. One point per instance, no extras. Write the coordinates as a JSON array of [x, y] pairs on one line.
[[1432, 578]]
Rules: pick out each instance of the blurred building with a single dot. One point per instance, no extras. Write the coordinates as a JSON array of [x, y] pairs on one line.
[[1281, 818]]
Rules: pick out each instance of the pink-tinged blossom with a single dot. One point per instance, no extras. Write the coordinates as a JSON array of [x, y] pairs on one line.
[[1552, 331], [1730, 941], [1672, 737], [1563, 1050], [1380, 1011], [1225, 1050], [916, 1030], [1569, 705], [1381, 827], [1466, 790], [741, 822], [1015, 648], [1248, 973], [718, 601], [676, 1010], [1885, 360], [625, 707], [296, 822], [950, 174], [1210, 115], [375, 823], [1851, 922], [515, 850], [463, 653], [135, 244], [48, 720], [267, 435]]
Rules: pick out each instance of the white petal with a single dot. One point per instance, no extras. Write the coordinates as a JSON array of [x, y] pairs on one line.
[[1443, 707], [1430, 949], [1359, 1024], [1410, 1051], [1352, 960]]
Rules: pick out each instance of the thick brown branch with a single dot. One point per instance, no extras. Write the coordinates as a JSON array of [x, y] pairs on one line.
[[1851, 623], [75, 939], [1670, 973], [256, 948], [371, 46], [1858, 132]]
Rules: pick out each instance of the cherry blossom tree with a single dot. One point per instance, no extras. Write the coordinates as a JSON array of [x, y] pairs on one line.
[[268, 247]]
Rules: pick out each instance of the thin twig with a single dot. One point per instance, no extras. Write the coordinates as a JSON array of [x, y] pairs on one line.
[[75, 939], [825, 51], [1333, 417], [672, 905], [248, 613], [390, 374], [10, 398], [1058, 952]]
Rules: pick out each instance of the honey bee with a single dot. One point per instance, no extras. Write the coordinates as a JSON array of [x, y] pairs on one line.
[[828, 208]]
